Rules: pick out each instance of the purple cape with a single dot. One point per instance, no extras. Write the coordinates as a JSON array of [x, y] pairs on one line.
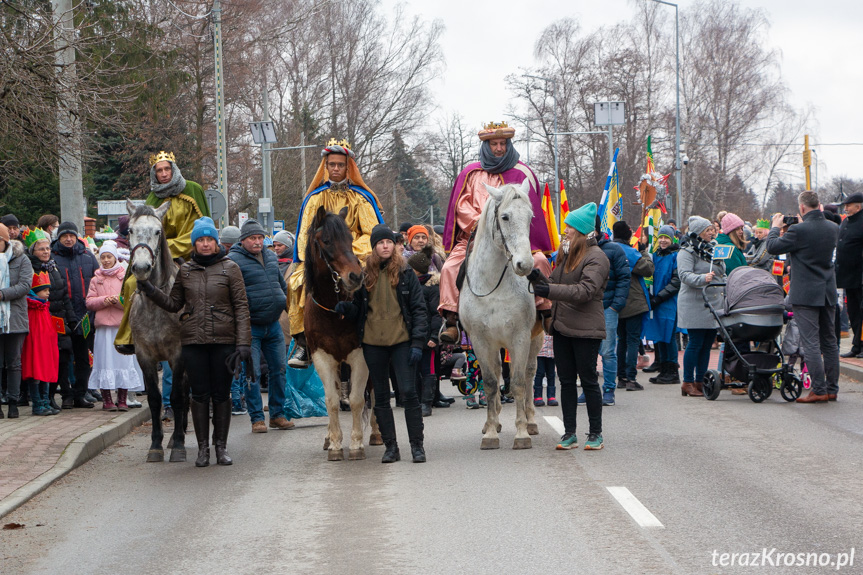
[[539, 236]]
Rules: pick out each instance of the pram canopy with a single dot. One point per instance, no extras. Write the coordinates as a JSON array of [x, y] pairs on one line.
[[752, 288]]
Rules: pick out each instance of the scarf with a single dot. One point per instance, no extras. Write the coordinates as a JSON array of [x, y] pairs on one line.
[[4, 283], [173, 188], [209, 260], [494, 165], [111, 271], [49, 266]]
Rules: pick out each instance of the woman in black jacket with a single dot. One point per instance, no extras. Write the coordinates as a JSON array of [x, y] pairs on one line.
[[392, 320]]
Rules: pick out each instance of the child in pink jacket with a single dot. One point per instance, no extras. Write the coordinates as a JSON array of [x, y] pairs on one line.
[[111, 370]]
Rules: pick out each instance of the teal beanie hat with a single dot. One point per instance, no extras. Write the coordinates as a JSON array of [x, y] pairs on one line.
[[583, 219], [204, 227]]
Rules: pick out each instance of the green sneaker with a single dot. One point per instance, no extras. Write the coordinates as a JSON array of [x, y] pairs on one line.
[[568, 441], [471, 403], [594, 442]]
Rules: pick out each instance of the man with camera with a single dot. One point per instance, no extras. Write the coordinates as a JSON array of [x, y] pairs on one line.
[[849, 266], [810, 244]]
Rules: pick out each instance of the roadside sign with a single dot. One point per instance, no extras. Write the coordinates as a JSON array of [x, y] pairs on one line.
[[243, 218], [216, 202], [278, 226], [115, 207]]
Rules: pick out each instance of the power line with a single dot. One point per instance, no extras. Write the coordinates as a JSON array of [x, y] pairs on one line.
[[186, 14]]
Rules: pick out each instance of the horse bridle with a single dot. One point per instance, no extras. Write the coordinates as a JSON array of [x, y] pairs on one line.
[[326, 256], [139, 246], [505, 248]]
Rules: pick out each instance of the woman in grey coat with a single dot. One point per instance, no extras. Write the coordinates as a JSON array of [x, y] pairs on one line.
[[16, 276], [695, 271]]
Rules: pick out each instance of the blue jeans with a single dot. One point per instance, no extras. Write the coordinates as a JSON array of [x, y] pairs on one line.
[[628, 338], [167, 384], [697, 355], [544, 368], [608, 351], [269, 340]]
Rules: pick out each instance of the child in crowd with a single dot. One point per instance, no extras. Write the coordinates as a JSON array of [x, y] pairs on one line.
[[40, 357], [111, 370], [545, 369]]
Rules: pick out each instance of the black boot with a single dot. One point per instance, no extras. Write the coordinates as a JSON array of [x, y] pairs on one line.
[[300, 358], [391, 455], [429, 388], [52, 391], [653, 367], [387, 426], [201, 422], [13, 409], [663, 368], [670, 375], [417, 452], [221, 425], [440, 399]]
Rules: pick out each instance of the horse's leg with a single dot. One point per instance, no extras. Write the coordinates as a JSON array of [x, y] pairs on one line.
[[180, 402], [530, 409], [359, 378], [519, 358], [154, 402], [489, 363], [328, 370]]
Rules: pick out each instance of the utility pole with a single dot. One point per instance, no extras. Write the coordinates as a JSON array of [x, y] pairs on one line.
[[221, 139], [267, 176], [72, 208], [807, 162], [303, 162], [395, 207]]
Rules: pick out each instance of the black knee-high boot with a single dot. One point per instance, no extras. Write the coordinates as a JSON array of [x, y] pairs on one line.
[[387, 426], [221, 425], [201, 423]]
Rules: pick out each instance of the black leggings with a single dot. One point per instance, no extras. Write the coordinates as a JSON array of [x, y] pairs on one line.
[[206, 371], [575, 358], [378, 359], [10, 358]]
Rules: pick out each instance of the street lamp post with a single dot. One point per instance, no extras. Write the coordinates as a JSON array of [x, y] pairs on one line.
[[556, 172], [677, 167]]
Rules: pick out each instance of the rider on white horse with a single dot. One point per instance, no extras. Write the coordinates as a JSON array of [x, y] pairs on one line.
[[499, 164]]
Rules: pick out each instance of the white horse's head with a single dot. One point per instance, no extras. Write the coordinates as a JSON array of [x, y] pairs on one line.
[[512, 215], [146, 238]]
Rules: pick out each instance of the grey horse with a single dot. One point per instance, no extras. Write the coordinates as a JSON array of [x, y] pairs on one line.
[[155, 331]]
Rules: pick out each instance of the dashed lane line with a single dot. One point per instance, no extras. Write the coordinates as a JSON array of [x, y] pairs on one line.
[[555, 422], [634, 507]]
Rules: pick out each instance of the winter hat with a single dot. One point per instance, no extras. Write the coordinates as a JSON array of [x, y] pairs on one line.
[[229, 235], [381, 232], [31, 237], [438, 230], [621, 231], [41, 280], [421, 260], [204, 227], [697, 225], [730, 222], [405, 227], [123, 226], [666, 230], [414, 230], [4, 233], [251, 228], [67, 228], [583, 219], [10, 221], [110, 247], [285, 237]]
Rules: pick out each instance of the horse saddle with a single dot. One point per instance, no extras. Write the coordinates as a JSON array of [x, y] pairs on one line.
[[462, 270]]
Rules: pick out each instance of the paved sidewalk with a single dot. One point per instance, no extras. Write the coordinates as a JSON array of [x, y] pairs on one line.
[[36, 451]]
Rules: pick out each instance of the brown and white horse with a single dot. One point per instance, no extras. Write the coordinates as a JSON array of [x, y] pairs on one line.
[[333, 273]]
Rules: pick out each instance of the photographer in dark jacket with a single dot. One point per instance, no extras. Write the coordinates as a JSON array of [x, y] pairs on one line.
[[77, 266], [810, 245], [392, 320], [428, 383], [849, 267]]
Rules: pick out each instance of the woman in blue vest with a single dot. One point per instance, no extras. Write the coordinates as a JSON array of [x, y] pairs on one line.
[[661, 326]]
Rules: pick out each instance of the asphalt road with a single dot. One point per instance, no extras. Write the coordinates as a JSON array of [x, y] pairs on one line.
[[728, 476]]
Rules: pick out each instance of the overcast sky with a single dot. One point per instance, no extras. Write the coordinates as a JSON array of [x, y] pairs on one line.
[[820, 42]]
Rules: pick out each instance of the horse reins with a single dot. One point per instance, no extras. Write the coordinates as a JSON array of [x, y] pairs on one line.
[[505, 248], [325, 255]]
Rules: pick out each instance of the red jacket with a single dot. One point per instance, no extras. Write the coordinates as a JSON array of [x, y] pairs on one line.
[[40, 357]]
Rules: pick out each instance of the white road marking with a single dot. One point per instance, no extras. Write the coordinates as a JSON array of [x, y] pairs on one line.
[[634, 507], [555, 422]]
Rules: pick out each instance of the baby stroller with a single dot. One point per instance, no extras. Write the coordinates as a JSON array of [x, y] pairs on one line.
[[754, 311]]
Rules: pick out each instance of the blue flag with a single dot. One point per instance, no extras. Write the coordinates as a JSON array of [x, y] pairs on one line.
[[722, 252]]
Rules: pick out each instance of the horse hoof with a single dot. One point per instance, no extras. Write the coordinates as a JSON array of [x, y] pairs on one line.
[[335, 455], [155, 456], [356, 454], [521, 443], [532, 429], [499, 427], [376, 439], [178, 455], [490, 443], [326, 443]]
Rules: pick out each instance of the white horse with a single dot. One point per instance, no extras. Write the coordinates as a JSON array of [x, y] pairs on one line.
[[497, 309]]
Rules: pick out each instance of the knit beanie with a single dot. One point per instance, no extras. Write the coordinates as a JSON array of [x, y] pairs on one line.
[[405, 227], [381, 232], [251, 228], [697, 225], [414, 230], [421, 260], [123, 226], [109, 247], [730, 222], [10, 221], [229, 235], [583, 219], [204, 227], [621, 231], [4, 233], [667, 231], [285, 237], [67, 228]]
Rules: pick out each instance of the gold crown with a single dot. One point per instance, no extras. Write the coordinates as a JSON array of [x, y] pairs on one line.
[[495, 126], [162, 156], [343, 143]]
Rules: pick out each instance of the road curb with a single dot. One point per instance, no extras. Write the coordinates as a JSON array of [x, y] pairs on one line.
[[850, 370], [79, 451]]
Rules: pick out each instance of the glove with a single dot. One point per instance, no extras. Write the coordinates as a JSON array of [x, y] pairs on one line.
[[347, 310], [541, 289], [416, 356], [146, 287], [654, 301], [234, 362], [535, 277]]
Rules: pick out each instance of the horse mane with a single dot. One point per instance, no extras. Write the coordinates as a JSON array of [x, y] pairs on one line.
[[165, 259], [334, 229]]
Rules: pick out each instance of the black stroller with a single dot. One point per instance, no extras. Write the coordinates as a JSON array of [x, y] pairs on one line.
[[754, 311]]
